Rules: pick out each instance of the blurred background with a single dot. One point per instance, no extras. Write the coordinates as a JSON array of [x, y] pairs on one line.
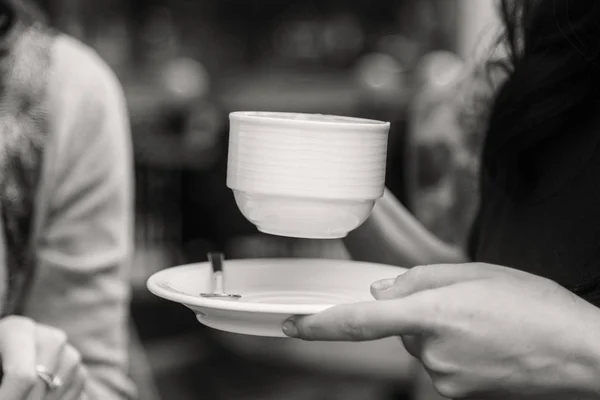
[[185, 64]]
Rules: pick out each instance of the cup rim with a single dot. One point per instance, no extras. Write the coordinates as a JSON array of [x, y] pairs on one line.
[[335, 120]]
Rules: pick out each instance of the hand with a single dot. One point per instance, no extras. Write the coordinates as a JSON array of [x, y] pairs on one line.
[[25, 345], [481, 331]]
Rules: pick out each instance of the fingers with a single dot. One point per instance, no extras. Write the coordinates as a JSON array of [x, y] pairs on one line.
[[77, 387], [24, 345], [68, 368], [18, 352], [407, 306], [74, 376], [380, 287], [364, 321], [429, 277], [51, 343]]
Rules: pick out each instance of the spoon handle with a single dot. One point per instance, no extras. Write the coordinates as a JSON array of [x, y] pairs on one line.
[[216, 260], [218, 282]]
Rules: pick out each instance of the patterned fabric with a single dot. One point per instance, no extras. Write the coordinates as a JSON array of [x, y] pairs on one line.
[[448, 127], [24, 65]]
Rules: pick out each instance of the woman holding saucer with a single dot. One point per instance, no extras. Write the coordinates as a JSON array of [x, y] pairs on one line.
[[516, 314]]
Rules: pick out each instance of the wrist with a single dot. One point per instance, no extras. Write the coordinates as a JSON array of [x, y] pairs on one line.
[[585, 372], [595, 360]]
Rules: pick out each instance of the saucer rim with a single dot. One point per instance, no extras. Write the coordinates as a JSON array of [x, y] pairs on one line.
[[158, 285]]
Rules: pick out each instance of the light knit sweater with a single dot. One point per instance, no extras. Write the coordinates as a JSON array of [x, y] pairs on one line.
[[83, 219]]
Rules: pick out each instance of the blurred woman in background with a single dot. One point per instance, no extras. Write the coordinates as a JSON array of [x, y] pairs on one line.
[[66, 215], [516, 314]]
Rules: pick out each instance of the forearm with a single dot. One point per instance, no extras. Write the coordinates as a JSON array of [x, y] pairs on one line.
[[582, 366], [392, 235]]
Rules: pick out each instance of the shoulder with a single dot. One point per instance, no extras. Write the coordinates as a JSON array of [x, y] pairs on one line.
[[77, 67], [84, 95], [88, 136], [81, 85]]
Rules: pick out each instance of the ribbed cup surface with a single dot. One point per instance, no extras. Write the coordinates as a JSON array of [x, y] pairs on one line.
[[307, 156]]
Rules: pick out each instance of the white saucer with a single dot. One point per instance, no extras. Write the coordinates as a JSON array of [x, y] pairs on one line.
[[272, 290]]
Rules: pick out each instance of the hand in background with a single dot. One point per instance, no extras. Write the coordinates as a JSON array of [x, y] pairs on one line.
[[24, 348]]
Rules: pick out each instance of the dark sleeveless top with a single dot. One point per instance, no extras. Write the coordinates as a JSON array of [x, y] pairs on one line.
[[550, 228]]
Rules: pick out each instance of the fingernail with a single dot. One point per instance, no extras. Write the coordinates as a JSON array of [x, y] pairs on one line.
[[290, 329], [382, 285]]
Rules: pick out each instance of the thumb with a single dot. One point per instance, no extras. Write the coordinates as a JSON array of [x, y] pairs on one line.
[[427, 277]]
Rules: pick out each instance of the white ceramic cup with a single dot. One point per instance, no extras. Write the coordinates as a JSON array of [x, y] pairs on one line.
[[306, 175]]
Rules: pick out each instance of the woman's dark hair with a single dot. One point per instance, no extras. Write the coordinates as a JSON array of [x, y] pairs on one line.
[[553, 84]]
